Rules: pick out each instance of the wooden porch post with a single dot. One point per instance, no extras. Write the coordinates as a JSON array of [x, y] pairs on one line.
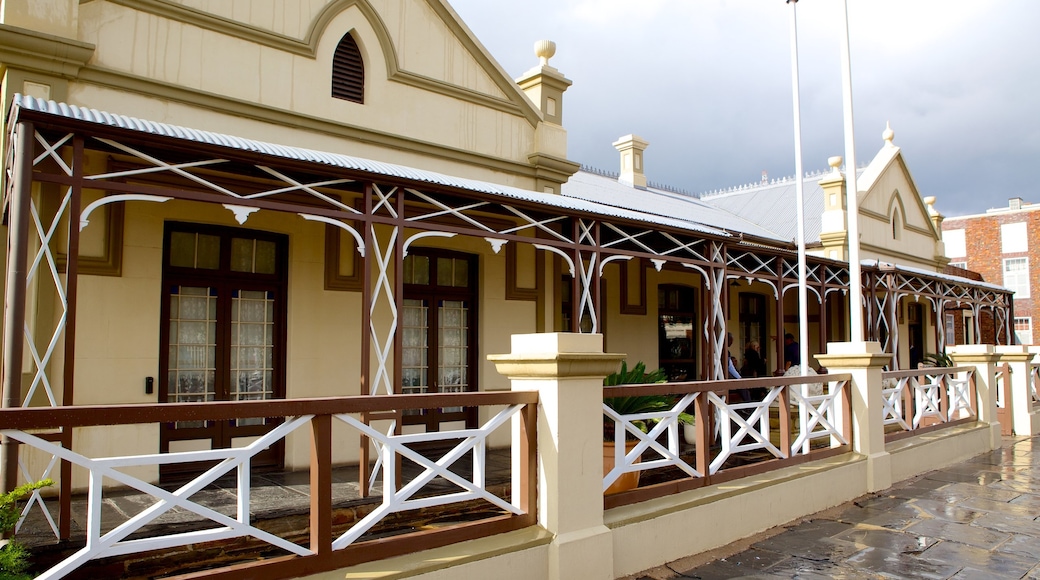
[[14, 307], [780, 314], [366, 339], [71, 297], [824, 334]]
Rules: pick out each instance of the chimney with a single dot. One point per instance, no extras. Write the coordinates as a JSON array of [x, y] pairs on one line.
[[631, 148], [545, 85]]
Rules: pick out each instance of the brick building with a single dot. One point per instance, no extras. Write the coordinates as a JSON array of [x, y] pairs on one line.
[[997, 245]]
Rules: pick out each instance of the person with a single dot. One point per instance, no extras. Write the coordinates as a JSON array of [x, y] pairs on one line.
[[792, 352], [728, 361], [754, 365]]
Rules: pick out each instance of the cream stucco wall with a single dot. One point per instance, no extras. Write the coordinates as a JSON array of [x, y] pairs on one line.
[[463, 108], [414, 27]]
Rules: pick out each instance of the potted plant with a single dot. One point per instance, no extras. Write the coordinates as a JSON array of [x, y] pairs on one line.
[[631, 406]]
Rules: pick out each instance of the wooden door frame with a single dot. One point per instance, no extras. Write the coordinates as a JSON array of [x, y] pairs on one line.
[[223, 278], [434, 293]]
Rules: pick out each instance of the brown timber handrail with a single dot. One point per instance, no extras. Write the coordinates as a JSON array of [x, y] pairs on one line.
[[718, 386], [99, 415]]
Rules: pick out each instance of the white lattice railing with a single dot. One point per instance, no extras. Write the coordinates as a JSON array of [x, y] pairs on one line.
[[734, 438], [398, 494], [1034, 378], [916, 400], [1002, 386]]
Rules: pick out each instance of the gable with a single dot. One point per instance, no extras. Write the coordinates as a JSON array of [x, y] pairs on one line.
[[887, 184], [895, 225], [433, 98], [424, 42]]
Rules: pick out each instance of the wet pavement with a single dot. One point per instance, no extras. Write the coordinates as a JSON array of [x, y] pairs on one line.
[[977, 519]]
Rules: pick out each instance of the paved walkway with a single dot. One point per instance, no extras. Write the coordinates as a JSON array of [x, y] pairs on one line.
[[977, 519]]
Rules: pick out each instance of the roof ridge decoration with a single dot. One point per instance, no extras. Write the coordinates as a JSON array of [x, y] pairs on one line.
[[600, 172], [814, 174]]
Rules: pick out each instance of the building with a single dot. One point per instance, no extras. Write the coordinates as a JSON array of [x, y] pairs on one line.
[[998, 245], [212, 204]]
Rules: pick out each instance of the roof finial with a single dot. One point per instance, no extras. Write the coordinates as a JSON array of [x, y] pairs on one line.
[[888, 134], [835, 163], [544, 50]]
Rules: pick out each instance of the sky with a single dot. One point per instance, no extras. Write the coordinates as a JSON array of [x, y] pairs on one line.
[[708, 84]]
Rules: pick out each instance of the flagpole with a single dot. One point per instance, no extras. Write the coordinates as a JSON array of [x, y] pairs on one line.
[[803, 302], [851, 190]]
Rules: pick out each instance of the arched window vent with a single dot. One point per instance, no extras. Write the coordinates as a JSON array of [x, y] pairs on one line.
[[348, 71]]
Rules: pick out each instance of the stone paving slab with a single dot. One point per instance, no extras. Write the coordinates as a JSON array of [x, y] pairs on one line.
[[976, 519]]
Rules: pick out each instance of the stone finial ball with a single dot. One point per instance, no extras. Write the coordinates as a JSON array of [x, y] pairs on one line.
[[835, 161], [544, 50]]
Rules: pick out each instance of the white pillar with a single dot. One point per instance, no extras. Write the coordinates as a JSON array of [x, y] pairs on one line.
[[1021, 402], [864, 360], [984, 359], [567, 370]]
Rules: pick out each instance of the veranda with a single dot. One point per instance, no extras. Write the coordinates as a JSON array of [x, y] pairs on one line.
[[70, 166]]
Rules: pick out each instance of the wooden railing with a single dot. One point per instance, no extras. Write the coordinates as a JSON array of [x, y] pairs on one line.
[[733, 439], [921, 400], [328, 548]]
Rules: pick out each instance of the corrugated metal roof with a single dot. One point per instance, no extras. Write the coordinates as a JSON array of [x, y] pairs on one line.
[[605, 190], [939, 275], [773, 206], [348, 162]]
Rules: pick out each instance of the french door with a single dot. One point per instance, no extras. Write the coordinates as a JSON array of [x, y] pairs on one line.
[[223, 334], [439, 332]]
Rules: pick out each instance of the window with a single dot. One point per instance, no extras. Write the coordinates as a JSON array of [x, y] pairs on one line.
[[677, 331], [951, 330], [348, 71], [961, 265], [753, 315], [1016, 276], [1024, 330], [955, 244], [897, 225], [1013, 238]]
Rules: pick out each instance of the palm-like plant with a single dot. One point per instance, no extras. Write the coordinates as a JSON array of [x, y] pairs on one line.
[[636, 404], [939, 359]]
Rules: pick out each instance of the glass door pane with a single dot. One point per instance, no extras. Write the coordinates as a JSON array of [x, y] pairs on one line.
[[415, 350], [252, 348], [193, 342], [453, 355]]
